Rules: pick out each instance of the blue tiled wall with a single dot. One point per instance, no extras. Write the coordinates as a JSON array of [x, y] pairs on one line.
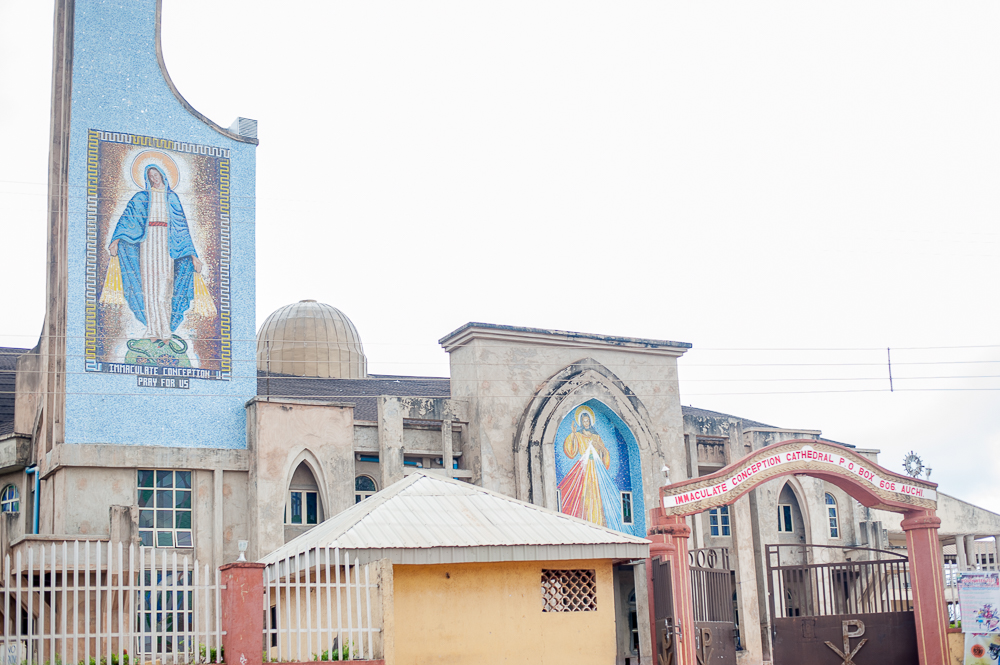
[[118, 86]]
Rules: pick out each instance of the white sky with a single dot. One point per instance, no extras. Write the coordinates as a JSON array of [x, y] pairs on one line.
[[780, 175]]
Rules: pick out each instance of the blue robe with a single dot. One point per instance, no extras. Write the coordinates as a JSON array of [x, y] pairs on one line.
[[131, 230]]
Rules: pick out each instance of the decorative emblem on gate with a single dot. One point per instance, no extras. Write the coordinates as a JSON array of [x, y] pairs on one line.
[[704, 646], [666, 655], [847, 654]]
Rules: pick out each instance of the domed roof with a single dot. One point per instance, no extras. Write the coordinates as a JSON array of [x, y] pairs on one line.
[[308, 338]]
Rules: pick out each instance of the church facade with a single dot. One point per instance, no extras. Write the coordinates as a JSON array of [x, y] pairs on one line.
[[151, 411]]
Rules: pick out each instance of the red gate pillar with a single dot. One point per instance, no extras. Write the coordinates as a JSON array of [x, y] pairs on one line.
[[243, 612], [670, 535], [927, 584]]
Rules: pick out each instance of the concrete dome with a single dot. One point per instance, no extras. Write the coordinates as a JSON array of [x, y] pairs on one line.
[[308, 338]]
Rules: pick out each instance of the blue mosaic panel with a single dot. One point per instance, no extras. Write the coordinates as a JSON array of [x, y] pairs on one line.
[[158, 250], [597, 469], [161, 252]]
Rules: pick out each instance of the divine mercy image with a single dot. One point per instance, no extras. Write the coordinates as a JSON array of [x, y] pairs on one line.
[[593, 468], [159, 259]]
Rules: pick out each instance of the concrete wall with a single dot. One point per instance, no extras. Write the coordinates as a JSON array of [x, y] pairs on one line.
[[83, 496], [84, 482], [501, 379], [28, 399], [958, 518], [281, 435], [492, 613]]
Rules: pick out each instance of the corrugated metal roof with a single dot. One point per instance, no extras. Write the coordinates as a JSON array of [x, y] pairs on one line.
[[432, 519]]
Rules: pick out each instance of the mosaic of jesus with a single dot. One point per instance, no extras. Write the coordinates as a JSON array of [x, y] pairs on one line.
[[594, 469]]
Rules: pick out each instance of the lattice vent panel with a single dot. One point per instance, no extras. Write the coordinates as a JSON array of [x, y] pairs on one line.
[[569, 591]]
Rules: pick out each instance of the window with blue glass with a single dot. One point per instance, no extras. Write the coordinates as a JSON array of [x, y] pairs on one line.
[[10, 500], [164, 499], [303, 507], [718, 521], [831, 514], [168, 611], [364, 487]]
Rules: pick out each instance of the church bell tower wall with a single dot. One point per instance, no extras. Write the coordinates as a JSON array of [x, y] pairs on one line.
[[156, 244], [521, 383]]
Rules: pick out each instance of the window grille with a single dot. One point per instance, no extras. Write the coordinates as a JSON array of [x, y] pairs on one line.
[[10, 500], [626, 508], [569, 591], [165, 508]]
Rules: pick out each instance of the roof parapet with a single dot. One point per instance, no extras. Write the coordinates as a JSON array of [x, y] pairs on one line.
[[563, 338]]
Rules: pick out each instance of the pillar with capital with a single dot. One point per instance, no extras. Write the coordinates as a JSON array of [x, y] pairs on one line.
[[669, 535], [927, 584]]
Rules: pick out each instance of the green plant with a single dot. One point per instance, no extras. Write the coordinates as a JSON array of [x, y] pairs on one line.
[[94, 661], [207, 655], [344, 653]]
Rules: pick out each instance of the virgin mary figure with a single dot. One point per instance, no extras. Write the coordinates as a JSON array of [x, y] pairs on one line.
[[588, 490], [155, 251]]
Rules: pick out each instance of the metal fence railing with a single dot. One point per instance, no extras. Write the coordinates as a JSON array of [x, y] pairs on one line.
[[877, 583], [98, 603], [318, 606]]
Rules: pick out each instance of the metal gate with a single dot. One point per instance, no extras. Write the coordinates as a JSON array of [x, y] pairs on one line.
[[712, 598], [664, 627], [840, 605]]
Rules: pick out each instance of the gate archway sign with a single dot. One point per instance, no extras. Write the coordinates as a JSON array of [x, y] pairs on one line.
[[862, 479], [867, 482]]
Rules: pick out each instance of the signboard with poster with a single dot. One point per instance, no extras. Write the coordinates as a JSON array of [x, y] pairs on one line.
[[979, 601], [981, 649]]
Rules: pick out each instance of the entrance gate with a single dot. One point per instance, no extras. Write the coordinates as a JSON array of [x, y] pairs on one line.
[[665, 631], [712, 596], [712, 600], [853, 608], [851, 585]]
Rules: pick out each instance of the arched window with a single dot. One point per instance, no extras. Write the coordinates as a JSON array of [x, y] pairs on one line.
[[10, 500], [364, 487], [789, 512], [831, 513], [303, 505]]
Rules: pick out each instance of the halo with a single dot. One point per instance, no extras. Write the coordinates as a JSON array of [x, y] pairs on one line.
[[580, 410], [148, 158]]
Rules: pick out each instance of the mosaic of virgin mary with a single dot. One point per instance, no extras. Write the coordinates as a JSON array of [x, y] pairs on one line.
[[152, 250]]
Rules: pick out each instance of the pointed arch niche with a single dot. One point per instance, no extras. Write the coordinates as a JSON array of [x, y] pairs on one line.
[[305, 495], [552, 410]]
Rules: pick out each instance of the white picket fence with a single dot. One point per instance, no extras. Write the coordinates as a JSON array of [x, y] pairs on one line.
[[312, 605], [110, 606]]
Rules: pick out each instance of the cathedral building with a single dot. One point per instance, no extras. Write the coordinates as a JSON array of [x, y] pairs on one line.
[[151, 411]]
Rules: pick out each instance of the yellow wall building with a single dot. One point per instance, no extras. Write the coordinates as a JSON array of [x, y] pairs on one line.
[[493, 613], [471, 576]]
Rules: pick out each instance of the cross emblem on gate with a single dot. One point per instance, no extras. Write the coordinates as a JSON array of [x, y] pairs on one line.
[[847, 654]]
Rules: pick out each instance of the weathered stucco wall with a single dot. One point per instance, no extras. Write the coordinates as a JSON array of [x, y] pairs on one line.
[[500, 378], [492, 613], [283, 434], [958, 518]]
